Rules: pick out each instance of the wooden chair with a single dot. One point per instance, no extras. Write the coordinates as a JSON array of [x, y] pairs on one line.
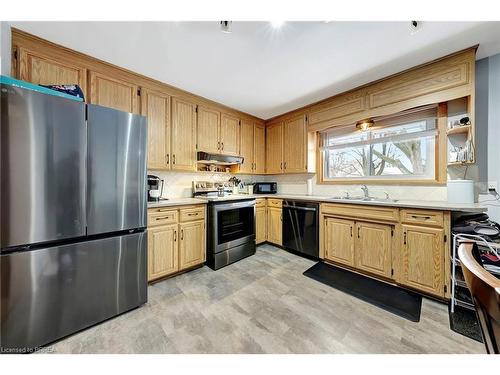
[[485, 290]]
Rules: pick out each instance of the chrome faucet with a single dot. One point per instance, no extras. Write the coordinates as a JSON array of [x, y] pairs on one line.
[[365, 191]]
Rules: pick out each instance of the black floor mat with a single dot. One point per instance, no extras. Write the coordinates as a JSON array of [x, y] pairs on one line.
[[464, 321], [398, 301]]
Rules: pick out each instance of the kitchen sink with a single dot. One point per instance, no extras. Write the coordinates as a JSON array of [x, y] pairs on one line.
[[366, 199]]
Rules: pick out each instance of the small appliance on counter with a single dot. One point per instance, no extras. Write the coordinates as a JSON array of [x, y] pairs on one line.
[[265, 188], [155, 188]]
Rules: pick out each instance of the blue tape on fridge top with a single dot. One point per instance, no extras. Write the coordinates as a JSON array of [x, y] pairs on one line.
[[30, 86]]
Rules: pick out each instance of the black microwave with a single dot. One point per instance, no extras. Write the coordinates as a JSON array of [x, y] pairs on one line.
[[265, 188]]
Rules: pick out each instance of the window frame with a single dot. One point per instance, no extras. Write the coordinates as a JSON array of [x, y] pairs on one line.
[[440, 167]]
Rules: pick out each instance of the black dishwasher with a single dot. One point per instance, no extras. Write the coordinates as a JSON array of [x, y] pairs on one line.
[[300, 227]]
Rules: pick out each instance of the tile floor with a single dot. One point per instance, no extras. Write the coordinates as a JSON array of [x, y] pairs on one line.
[[263, 304]]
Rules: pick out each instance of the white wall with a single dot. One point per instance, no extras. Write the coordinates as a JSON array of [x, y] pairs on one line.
[[5, 48], [493, 131]]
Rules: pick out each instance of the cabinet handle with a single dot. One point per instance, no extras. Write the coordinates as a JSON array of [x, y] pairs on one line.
[[404, 238], [218, 145], [359, 236], [222, 145], [163, 217], [281, 165], [284, 165], [182, 234], [351, 230], [193, 214], [420, 217], [168, 158], [175, 236], [173, 159]]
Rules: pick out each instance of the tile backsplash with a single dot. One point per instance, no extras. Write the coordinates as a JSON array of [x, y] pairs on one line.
[[179, 185]]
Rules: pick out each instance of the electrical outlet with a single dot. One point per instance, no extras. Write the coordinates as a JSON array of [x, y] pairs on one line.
[[492, 186]]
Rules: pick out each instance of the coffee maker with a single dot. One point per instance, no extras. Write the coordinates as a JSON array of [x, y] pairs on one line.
[[155, 188]]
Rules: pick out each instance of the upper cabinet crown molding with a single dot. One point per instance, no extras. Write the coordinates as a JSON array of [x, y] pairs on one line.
[[441, 80], [68, 57]]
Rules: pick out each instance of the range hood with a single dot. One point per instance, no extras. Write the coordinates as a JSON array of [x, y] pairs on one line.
[[218, 159]]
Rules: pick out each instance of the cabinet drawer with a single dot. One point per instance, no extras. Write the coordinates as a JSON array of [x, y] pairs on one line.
[[260, 202], [360, 212], [422, 217], [162, 217], [274, 202], [192, 213]]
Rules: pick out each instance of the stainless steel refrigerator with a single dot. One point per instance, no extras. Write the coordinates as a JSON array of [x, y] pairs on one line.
[[73, 216]]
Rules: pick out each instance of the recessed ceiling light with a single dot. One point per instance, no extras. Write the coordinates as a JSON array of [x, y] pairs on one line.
[[225, 26], [415, 27], [277, 24]]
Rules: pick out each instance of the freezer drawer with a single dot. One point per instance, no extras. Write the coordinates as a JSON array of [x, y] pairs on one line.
[[52, 292], [116, 184], [42, 172]]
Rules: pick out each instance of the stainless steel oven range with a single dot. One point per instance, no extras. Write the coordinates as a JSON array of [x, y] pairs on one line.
[[231, 223]]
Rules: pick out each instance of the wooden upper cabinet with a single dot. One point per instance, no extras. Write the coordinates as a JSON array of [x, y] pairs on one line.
[[230, 134], [423, 259], [274, 148], [259, 157], [339, 240], [247, 146], [155, 106], [295, 145], [39, 68], [183, 149], [374, 248], [208, 130], [337, 107], [113, 93]]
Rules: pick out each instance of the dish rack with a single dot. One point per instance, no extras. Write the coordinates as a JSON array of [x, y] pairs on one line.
[[460, 294]]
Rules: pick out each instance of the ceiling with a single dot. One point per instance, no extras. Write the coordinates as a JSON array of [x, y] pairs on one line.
[[262, 70]]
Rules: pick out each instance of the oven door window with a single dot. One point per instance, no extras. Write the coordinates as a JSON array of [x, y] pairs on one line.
[[235, 224]]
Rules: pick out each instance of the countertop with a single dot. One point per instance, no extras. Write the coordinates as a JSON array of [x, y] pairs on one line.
[[176, 202], [429, 205]]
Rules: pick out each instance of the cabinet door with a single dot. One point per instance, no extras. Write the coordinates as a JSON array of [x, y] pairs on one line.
[[192, 244], [156, 107], [229, 135], [38, 68], [183, 135], [274, 225], [208, 130], [247, 146], [274, 148], [373, 248], [162, 251], [423, 259], [259, 157], [339, 240], [113, 93], [260, 225], [295, 145]]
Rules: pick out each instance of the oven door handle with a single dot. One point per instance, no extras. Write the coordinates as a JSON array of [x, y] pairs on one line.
[[230, 206], [300, 208]]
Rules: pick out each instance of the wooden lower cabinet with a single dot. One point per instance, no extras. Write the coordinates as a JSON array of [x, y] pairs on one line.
[[374, 248], [339, 240], [274, 225], [191, 244], [422, 259], [260, 225], [176, 240], [162, 251]]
